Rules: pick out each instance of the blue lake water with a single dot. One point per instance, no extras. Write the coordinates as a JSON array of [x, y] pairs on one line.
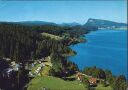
[[106, 49]]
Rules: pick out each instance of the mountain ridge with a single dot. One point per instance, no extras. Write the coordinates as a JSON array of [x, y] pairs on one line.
[[99, 23], [104, 24]]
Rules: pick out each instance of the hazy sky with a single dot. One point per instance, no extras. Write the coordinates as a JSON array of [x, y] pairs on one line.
[[63, 11]]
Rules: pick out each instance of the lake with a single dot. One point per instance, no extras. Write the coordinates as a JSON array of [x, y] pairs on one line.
[[106, 49]]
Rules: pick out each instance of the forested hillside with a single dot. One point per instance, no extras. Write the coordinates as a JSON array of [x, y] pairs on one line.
[[25, 44]]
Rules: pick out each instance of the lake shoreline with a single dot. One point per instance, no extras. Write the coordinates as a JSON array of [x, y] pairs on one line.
[[77, 62]]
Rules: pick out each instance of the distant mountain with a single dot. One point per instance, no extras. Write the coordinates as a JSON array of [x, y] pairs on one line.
[[36, 23], [70, 24], [32, 23], [101, 24]]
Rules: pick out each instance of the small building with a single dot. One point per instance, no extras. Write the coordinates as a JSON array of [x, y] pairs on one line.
[[93, 81], [79, 76]]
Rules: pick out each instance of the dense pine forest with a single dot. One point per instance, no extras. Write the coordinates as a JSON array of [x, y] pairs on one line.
[[21, 43]]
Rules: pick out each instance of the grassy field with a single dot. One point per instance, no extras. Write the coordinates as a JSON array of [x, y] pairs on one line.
[[52, 36], [35, 68], [100, 87], [52, 83], [45, 71]]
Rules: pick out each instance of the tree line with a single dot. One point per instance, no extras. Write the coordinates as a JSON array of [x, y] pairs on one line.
[[116, 82]]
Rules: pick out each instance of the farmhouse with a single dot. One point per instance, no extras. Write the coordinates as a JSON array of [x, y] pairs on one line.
[[79, 76], [93, 81]]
